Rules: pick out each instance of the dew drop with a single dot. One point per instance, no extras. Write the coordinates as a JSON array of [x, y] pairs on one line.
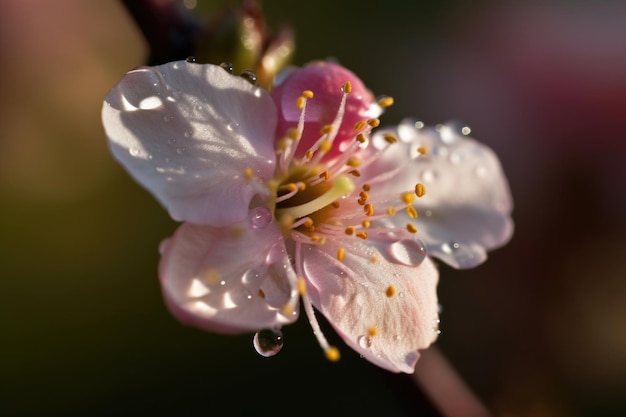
[[150, 156], [250, 277], [180, 150], [227, 66], [188, 133], [168, 118], [232, 126], [268, 342], [419, 124], [249, 76], [260, 217], [365, 341], [171, 141], [410, 252], [455, 158], [133, 151], [160, 170], [191, 59], [450, 247]]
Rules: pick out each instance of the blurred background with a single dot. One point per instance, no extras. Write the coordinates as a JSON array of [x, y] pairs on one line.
[[538, 330]]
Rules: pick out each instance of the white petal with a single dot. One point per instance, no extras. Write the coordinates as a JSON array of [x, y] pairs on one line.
[[467, 206], [187, 132], [383, 309], [230, 279]]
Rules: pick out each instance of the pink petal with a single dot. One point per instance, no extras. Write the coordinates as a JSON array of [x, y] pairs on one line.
[[382, 301], [230, 279], [467, 206], [187, 132]]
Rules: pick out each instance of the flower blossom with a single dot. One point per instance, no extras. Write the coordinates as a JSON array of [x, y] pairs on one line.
[[292, 196]]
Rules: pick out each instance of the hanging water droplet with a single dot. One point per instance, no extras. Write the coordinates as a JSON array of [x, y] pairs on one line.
[[133, 151], [260, 217], [180, 150], [191, 59], [465, 130], [228, 66], [249, 76], [450, 247], [365, 341], [268, 342]]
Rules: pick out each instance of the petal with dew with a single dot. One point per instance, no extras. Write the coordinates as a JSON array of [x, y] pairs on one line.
[[467, 206], [230, 279], [384, 309], [188, 132]]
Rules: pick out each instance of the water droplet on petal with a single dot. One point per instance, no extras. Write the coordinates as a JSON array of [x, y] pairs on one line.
[[268, 342], [188, 133], [171, 141], [191, 59], [180, 150], [450, 247], [410, 252], [232, 126], [249, 76], [250, 277], [168, 118], [260, 217], [133, 151], [365, 341], [227, 66]]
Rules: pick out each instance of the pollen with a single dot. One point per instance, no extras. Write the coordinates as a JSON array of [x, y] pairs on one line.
[[366, 187], [408, 198], [372, 331], [349, 230], [307, 94], [411, 228], [410, 210], [341, 254], [390, 138], [390, 291], [325, 145], [373, 122], [369, 209], [360, 125], [248, 173], [365, 223], [364, 195], [385, 101], [391, 211], [308, 223], [292, 187], [420, 190], [353, 162], [293, 134], [347, 87], [361, 138], [301, 286], [362, 235], [325, 175], [422, 150], [332, 354], [300, 102], [326, 129], [287, 310]]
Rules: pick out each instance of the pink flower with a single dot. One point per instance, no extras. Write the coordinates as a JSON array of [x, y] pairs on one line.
[[290, 197]]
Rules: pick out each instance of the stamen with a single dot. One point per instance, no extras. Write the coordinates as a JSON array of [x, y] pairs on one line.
[[373, 122], [422, 150], [362, 235], [347, 87], [331, 352], [301, 286], [307, 94], [341, 186], [341, 254], [300, 102], [410, 210], [369, 209], [360, 125], [372, 331], [361, 138], [408, 197], [248, 173], [390, 291], [349, 230], [420, 190], [390, 138], [411, 228], [366, 223], [385, 101]]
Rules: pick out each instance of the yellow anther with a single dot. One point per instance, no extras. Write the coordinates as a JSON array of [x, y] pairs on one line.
[[361, 138], [248, 173], [373, 122], [372, 331], [315, 238], [360, 125], [341, 253], [332, 354], [335, 204], [353, 162], [326, 129], [293, 134], [354, 172], [292, 187], [362, 235], [349, 230], [300, 102], [366, 187], [308, 223], [281, 145], [286, 220], [364, 195], [307, 94], [420, 190], [385, 101], [422, 150], [374, 259], [309, 155], [325, 146], [301, 286], [411, 228], [390, 291], [369, 209], [366, 223], [410, 210], [211, 276], [390, 138], [325, 175], [347, 87], [391, 211], [302, 186], [287, 310], [408, 198]]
